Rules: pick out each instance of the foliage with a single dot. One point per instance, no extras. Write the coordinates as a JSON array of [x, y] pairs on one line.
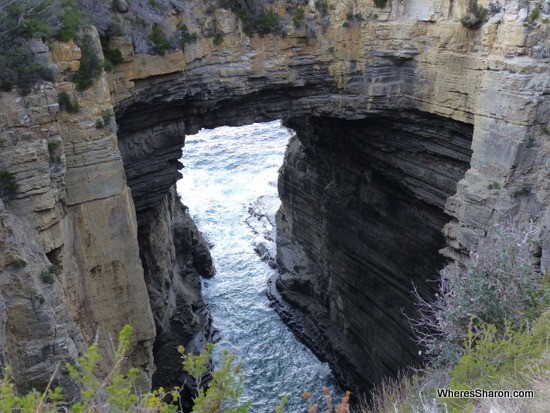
[[498, 284], [267, 22], [47, 275], [53, 149], [224, 390], [342, 407], [353, 18], [72, 18], [322, 6], [67, 103], [90, 67], [475, 17], [218, 38], [254, 16], [112, 58], [380, 3], [160, 43], [196, 365], [495, 359], [19, 68], [494, 185], [185, 37], [299, 17], [534, 15], [8, 184], [106, 116], [27, 21], [19, 263]]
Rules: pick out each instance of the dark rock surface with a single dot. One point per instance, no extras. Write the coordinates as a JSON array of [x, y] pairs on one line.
[[174, 254], [360, 224]]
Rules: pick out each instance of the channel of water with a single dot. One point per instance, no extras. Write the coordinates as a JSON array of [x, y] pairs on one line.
[[230, 173]]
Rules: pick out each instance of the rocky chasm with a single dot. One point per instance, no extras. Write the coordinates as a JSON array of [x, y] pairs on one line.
[[414, 135]]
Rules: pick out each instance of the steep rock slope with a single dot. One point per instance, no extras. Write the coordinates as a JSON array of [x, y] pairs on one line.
[[405, 120], [407, 124]]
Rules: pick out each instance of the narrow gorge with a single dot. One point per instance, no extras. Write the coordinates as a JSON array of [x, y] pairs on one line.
[[414, 135]]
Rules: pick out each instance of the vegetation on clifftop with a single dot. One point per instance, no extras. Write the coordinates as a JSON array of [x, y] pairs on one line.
[[488, 328]]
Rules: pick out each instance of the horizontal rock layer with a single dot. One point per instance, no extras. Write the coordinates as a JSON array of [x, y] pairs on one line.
[[360, 226], [378, 103]]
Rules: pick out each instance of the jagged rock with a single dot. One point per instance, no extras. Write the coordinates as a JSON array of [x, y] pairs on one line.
[[384, 110]]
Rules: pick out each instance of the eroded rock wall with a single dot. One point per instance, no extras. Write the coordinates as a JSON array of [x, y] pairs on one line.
[[71, 270], [360, 225], [379, 103]]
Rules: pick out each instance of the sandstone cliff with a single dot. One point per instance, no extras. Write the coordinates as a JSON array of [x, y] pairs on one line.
[[414, 134]]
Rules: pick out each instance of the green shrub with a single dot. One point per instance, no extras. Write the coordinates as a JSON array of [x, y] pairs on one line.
[[299, 17], [19, 263], [218, 38], [160, 42], [267, 22], [90, 67], [72, 18], [494, 185], [185, 37], [497, 284], [47, 276], [8, 184], [18, 68], [380, 3], [475, 17], [67, 103], [352, 18], [112, 58], [322, 6], [534, 15], [499, 359]]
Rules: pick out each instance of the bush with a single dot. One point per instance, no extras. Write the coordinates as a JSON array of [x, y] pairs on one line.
[[160, 42], [90, 67], [476, 16], [267, 22], [19, 263], [184, 37], [505, 359], [322, 6], [112, 58], [47, 276], [498, 284], [8, 184], [67, 103], [218, 38], [352, 18], [299, 17], [72, 18], [380, 3], [19, 68], [534, 15]]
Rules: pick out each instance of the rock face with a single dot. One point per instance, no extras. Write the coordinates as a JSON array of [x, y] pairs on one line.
[[407, 123], [70, 264], [360, 224]]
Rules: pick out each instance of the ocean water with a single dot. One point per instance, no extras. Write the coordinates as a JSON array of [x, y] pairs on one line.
[[229, 185]]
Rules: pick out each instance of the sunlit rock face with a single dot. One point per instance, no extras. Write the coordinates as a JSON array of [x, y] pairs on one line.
[[404, 120]]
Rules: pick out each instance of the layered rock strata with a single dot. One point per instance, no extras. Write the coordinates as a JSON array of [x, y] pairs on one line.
[[360, 226], [385, 107]]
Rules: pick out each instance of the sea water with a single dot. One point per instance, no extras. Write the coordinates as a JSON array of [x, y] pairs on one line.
[[230, 174]]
